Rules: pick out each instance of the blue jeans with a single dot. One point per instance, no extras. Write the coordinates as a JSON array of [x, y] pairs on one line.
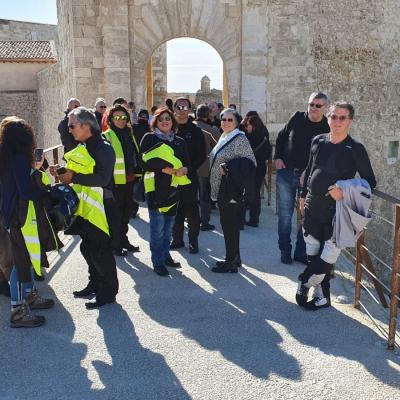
[[288, 183], [160, 236]]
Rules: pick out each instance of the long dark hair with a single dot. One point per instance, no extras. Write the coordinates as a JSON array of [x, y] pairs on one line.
[[16, 138], [255, 121]]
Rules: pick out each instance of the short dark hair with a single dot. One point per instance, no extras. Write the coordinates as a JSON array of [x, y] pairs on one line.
[[183, 98], [318, 95], [143, 113], [119, 100], [169, 103], [113, 110], [160, 111], [202, 111], [342, 104], [232, 105], [220, 106]]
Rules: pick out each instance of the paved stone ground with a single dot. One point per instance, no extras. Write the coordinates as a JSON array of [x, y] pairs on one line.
[[195, 335]]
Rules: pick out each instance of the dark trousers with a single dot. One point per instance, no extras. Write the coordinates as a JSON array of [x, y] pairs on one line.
[[97, 251], [124, 201], [205, 199], [229, 217], [254, 206], [189, 210]]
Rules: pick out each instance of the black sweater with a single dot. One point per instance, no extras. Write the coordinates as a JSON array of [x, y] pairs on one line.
[[294, 140], [331, 162]]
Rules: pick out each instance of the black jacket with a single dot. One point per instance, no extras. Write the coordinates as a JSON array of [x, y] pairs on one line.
[[238, 181], [66, 137], [196, 146], [259, 142], [294, 140]]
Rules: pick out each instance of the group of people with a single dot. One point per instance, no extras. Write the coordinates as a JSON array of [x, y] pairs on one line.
[[183, 166]]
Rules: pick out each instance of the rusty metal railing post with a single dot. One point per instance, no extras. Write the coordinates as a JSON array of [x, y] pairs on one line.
[[358, 273], [395, 281]]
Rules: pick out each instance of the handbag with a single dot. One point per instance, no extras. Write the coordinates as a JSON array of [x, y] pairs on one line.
[[138, 191]]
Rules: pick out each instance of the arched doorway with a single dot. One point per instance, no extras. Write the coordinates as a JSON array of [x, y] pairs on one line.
[[216, 25], [185, 67]]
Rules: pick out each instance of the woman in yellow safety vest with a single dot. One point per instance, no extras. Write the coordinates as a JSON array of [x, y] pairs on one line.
[[121, 138], [23, 215], [165, 159]]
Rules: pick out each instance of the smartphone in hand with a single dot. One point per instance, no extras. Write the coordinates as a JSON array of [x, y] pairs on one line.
[[38, 154]]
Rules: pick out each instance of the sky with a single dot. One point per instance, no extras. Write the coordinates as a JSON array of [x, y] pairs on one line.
[[188, 60]]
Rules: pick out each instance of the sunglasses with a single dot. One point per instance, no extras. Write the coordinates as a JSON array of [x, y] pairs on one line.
[[120, 118], [161, 119], [316, 105], [338, 117], [102, 106], [182, 108], [227, 119], [72, 126]]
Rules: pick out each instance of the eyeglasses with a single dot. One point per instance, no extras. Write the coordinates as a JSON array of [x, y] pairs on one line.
[[338, 117], [182, 108], [120, 118], [102, 106], [316, 105], [72, 126], [227, 119], [161, 119]]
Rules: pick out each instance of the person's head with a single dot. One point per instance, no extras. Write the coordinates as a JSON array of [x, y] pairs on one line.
[[143, 116], [118, 117], [132, 105], [170, 104], [317, 104], [213, 106], [221, 107], [251, 112], [153, 109], [229, 120], [182, 109], [73, 103], [16, 137], [232, 105], [202, 112], [121, 101], [164, 120], [82, 123], [100, 105], [340, 117], [252, 123]]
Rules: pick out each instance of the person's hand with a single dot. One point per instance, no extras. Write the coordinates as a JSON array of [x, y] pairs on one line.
[[336, 193], [38, 164], [168, 170], [279, 164], [66, 178], [302, 178], [222, 170], [301, 206], [182, 171], [53, 169]]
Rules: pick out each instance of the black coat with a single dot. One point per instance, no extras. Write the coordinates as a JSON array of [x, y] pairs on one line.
[[66, 137], [238, 181]]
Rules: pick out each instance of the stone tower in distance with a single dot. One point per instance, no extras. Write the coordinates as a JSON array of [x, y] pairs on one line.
[[205, 84]]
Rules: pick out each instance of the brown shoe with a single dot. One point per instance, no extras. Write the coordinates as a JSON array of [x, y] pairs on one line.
[[38, 303], [21, 317]]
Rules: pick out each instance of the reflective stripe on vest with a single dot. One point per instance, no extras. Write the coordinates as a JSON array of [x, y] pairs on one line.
[[31, 237], [119, 167], [91, 204]]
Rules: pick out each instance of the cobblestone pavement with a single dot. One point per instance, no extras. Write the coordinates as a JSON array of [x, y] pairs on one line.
[[195, 335]]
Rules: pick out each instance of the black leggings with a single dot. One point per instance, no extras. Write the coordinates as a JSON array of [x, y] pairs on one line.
[[229, 217]]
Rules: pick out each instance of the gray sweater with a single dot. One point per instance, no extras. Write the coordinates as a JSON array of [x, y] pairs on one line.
[[352, 213]]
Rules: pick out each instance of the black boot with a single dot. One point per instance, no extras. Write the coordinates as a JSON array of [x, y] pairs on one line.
[[228, 266]]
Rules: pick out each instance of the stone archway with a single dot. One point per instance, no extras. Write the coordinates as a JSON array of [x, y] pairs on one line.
[[153, 95], [215, 23]]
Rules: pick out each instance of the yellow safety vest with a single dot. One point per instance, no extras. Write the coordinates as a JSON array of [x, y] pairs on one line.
[[91, 204], [30, 230], [119, 167], [31, 237], [166, 153]]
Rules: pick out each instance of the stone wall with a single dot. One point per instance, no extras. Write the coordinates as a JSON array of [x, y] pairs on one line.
[[159, 62], [23, 104], [20, 30]]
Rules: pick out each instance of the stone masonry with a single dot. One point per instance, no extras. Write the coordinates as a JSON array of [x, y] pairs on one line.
[[275, 53]]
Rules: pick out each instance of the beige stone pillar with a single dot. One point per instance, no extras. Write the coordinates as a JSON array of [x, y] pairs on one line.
[[149, 84]]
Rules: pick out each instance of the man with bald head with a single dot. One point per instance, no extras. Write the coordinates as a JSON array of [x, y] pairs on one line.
[[66, 137]]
